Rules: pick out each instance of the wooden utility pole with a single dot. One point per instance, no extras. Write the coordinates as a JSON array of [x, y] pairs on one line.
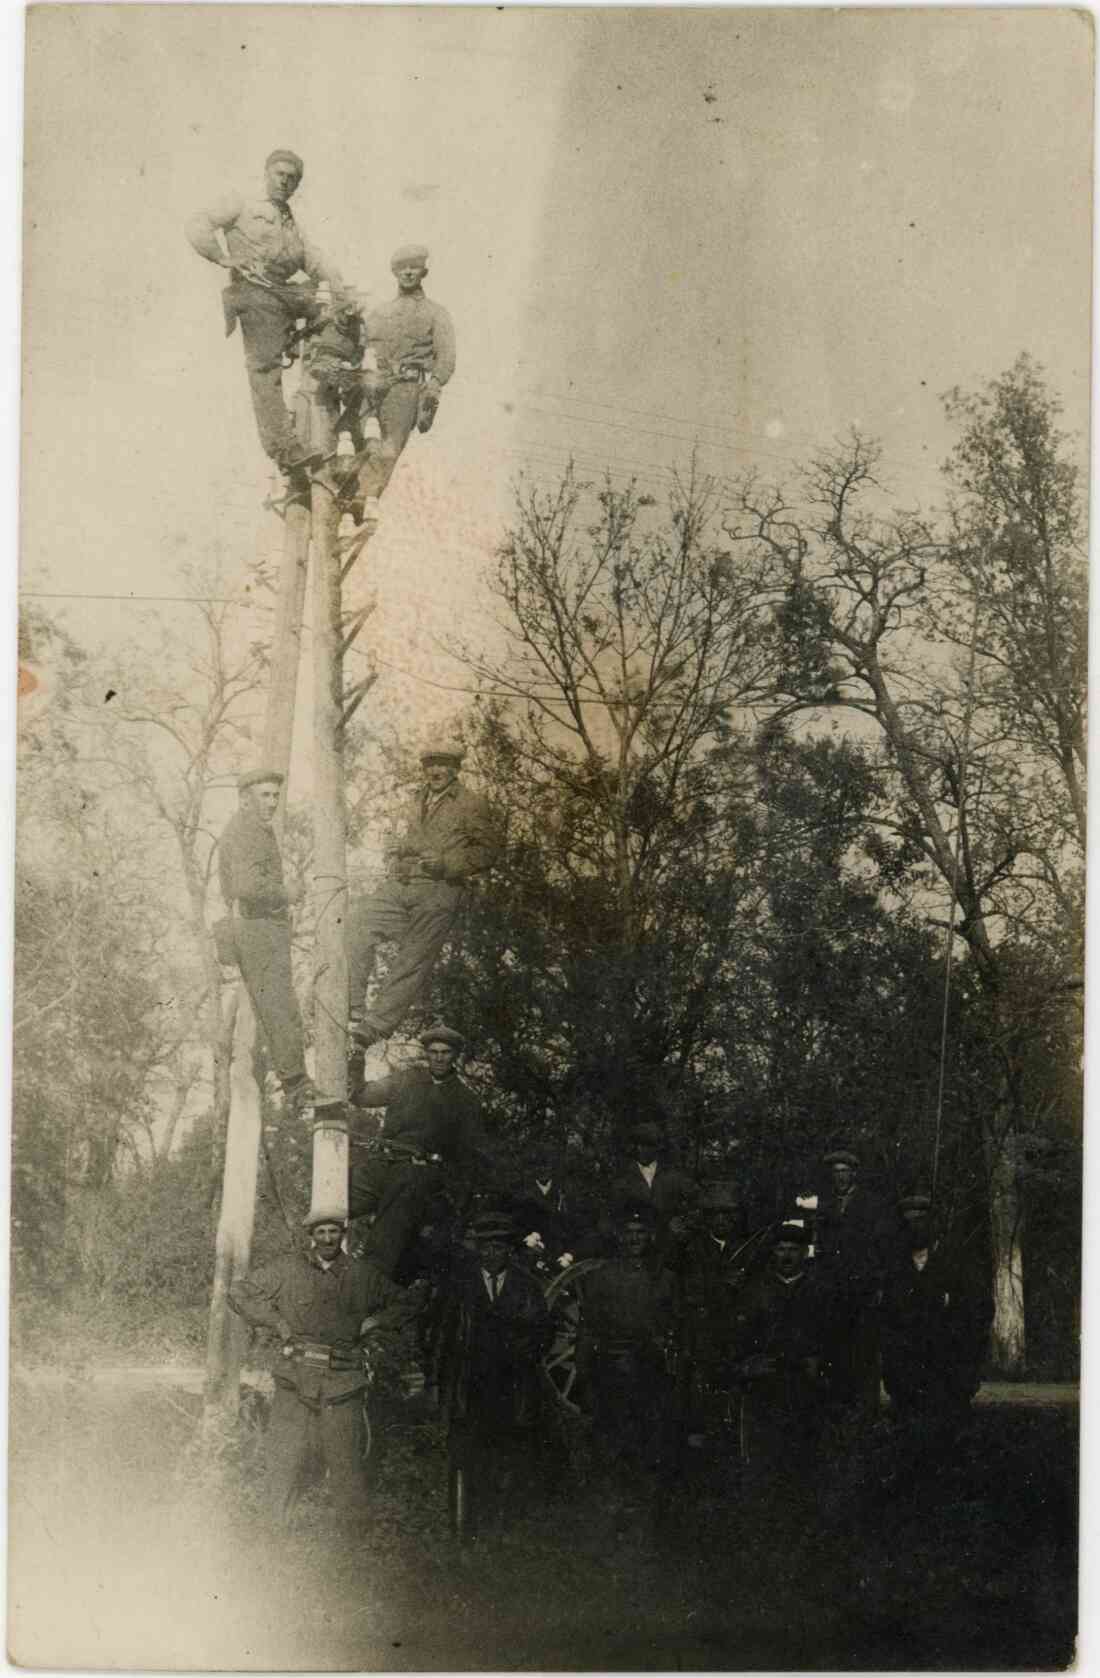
[[330, 990], [236, 1220]]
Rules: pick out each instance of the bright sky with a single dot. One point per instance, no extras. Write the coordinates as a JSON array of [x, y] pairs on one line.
[[752, 228]]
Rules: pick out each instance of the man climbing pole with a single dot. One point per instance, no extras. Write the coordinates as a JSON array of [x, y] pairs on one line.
[[443, 841], [257, 933], [413, 341], [431, 1140], [263, 247]]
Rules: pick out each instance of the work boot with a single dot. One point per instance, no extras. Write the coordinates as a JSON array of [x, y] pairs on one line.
[[299, 1094]]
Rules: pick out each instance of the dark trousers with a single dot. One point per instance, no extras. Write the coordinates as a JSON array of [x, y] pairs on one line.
[[302, 1442], [397, 1196], [263, 950], [396, 419], [267, 325], [418, 917]]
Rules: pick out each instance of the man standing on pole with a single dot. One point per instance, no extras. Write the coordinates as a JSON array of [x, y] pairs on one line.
[[443, 841], [263, 249], [413, 340], [250, 872]]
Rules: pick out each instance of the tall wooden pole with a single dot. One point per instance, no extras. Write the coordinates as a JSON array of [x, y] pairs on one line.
[[330, 990], [236, 1220]]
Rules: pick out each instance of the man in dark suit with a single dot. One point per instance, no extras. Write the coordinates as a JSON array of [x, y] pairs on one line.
[[492, 1388]]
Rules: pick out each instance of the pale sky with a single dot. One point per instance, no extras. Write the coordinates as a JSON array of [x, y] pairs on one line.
[[752, 228]]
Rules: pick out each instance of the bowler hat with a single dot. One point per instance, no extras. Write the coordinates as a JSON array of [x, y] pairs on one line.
[[646, 1132], [440, 1033], [258, 777], [492, 1226]]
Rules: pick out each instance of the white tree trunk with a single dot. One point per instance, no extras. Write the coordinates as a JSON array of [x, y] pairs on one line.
[[1008, 1340]]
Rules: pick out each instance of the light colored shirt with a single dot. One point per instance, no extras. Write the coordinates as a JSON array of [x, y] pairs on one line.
[[258, 234], [412, 331], [648, 1172]]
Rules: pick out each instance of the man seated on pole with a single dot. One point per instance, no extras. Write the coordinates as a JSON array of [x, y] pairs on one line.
[[257, 934], [443, 841], [263, 249], [432, 1139]]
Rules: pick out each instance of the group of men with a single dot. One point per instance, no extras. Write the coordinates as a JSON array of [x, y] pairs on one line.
[[390, 363], [442, 840], [677, 1331]]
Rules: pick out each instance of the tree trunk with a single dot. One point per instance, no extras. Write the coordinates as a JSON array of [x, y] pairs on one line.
[[1007, 1341]]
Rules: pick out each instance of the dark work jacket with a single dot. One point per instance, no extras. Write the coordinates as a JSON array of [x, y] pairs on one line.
[[934, 1329], [435, 1116], [250, 868], [548, 1215], [785, 1320], [854, 1245], [714, 1279]]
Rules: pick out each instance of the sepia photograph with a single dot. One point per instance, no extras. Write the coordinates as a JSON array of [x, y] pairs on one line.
[[550, 836]]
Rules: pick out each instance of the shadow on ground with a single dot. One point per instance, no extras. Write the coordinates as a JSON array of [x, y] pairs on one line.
[[126, 1551]]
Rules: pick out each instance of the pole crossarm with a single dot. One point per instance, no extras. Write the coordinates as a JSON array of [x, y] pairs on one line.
[[354, 697]]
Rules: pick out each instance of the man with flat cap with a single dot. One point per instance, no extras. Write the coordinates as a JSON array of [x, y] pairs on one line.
[[442, 841], [649, 1179], [779, 1336], [714, 1265], [262, 246], [431, 1141], [321, 1306], [492, 1386], [853, 1253], [627, 1320], [413, 340], [258, 902]]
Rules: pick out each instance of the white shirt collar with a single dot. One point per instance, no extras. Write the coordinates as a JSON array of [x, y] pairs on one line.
[[648, 1172]]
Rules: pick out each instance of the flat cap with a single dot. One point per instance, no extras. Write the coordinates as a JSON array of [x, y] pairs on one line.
[[283, 156], [646, 1132], [447, 750], [259, 778], [842, 1156], [637, 1212], [915, 1203], [409, 253], [324, 1215], [440, 1033], [793, 1232]]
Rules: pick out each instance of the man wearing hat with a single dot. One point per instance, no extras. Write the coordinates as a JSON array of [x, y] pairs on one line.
[[258, 900], [779, 1335], [714, 1263], [413, 340], [432, 1139], [321, 1306], [260, 243], [442, 841], [649, 1180], [492, 1388], [853, 1252], [935, 1319], [627, 1321]]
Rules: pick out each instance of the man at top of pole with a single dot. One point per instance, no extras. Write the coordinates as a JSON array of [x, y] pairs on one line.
[[263, 247], [413, 340]]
